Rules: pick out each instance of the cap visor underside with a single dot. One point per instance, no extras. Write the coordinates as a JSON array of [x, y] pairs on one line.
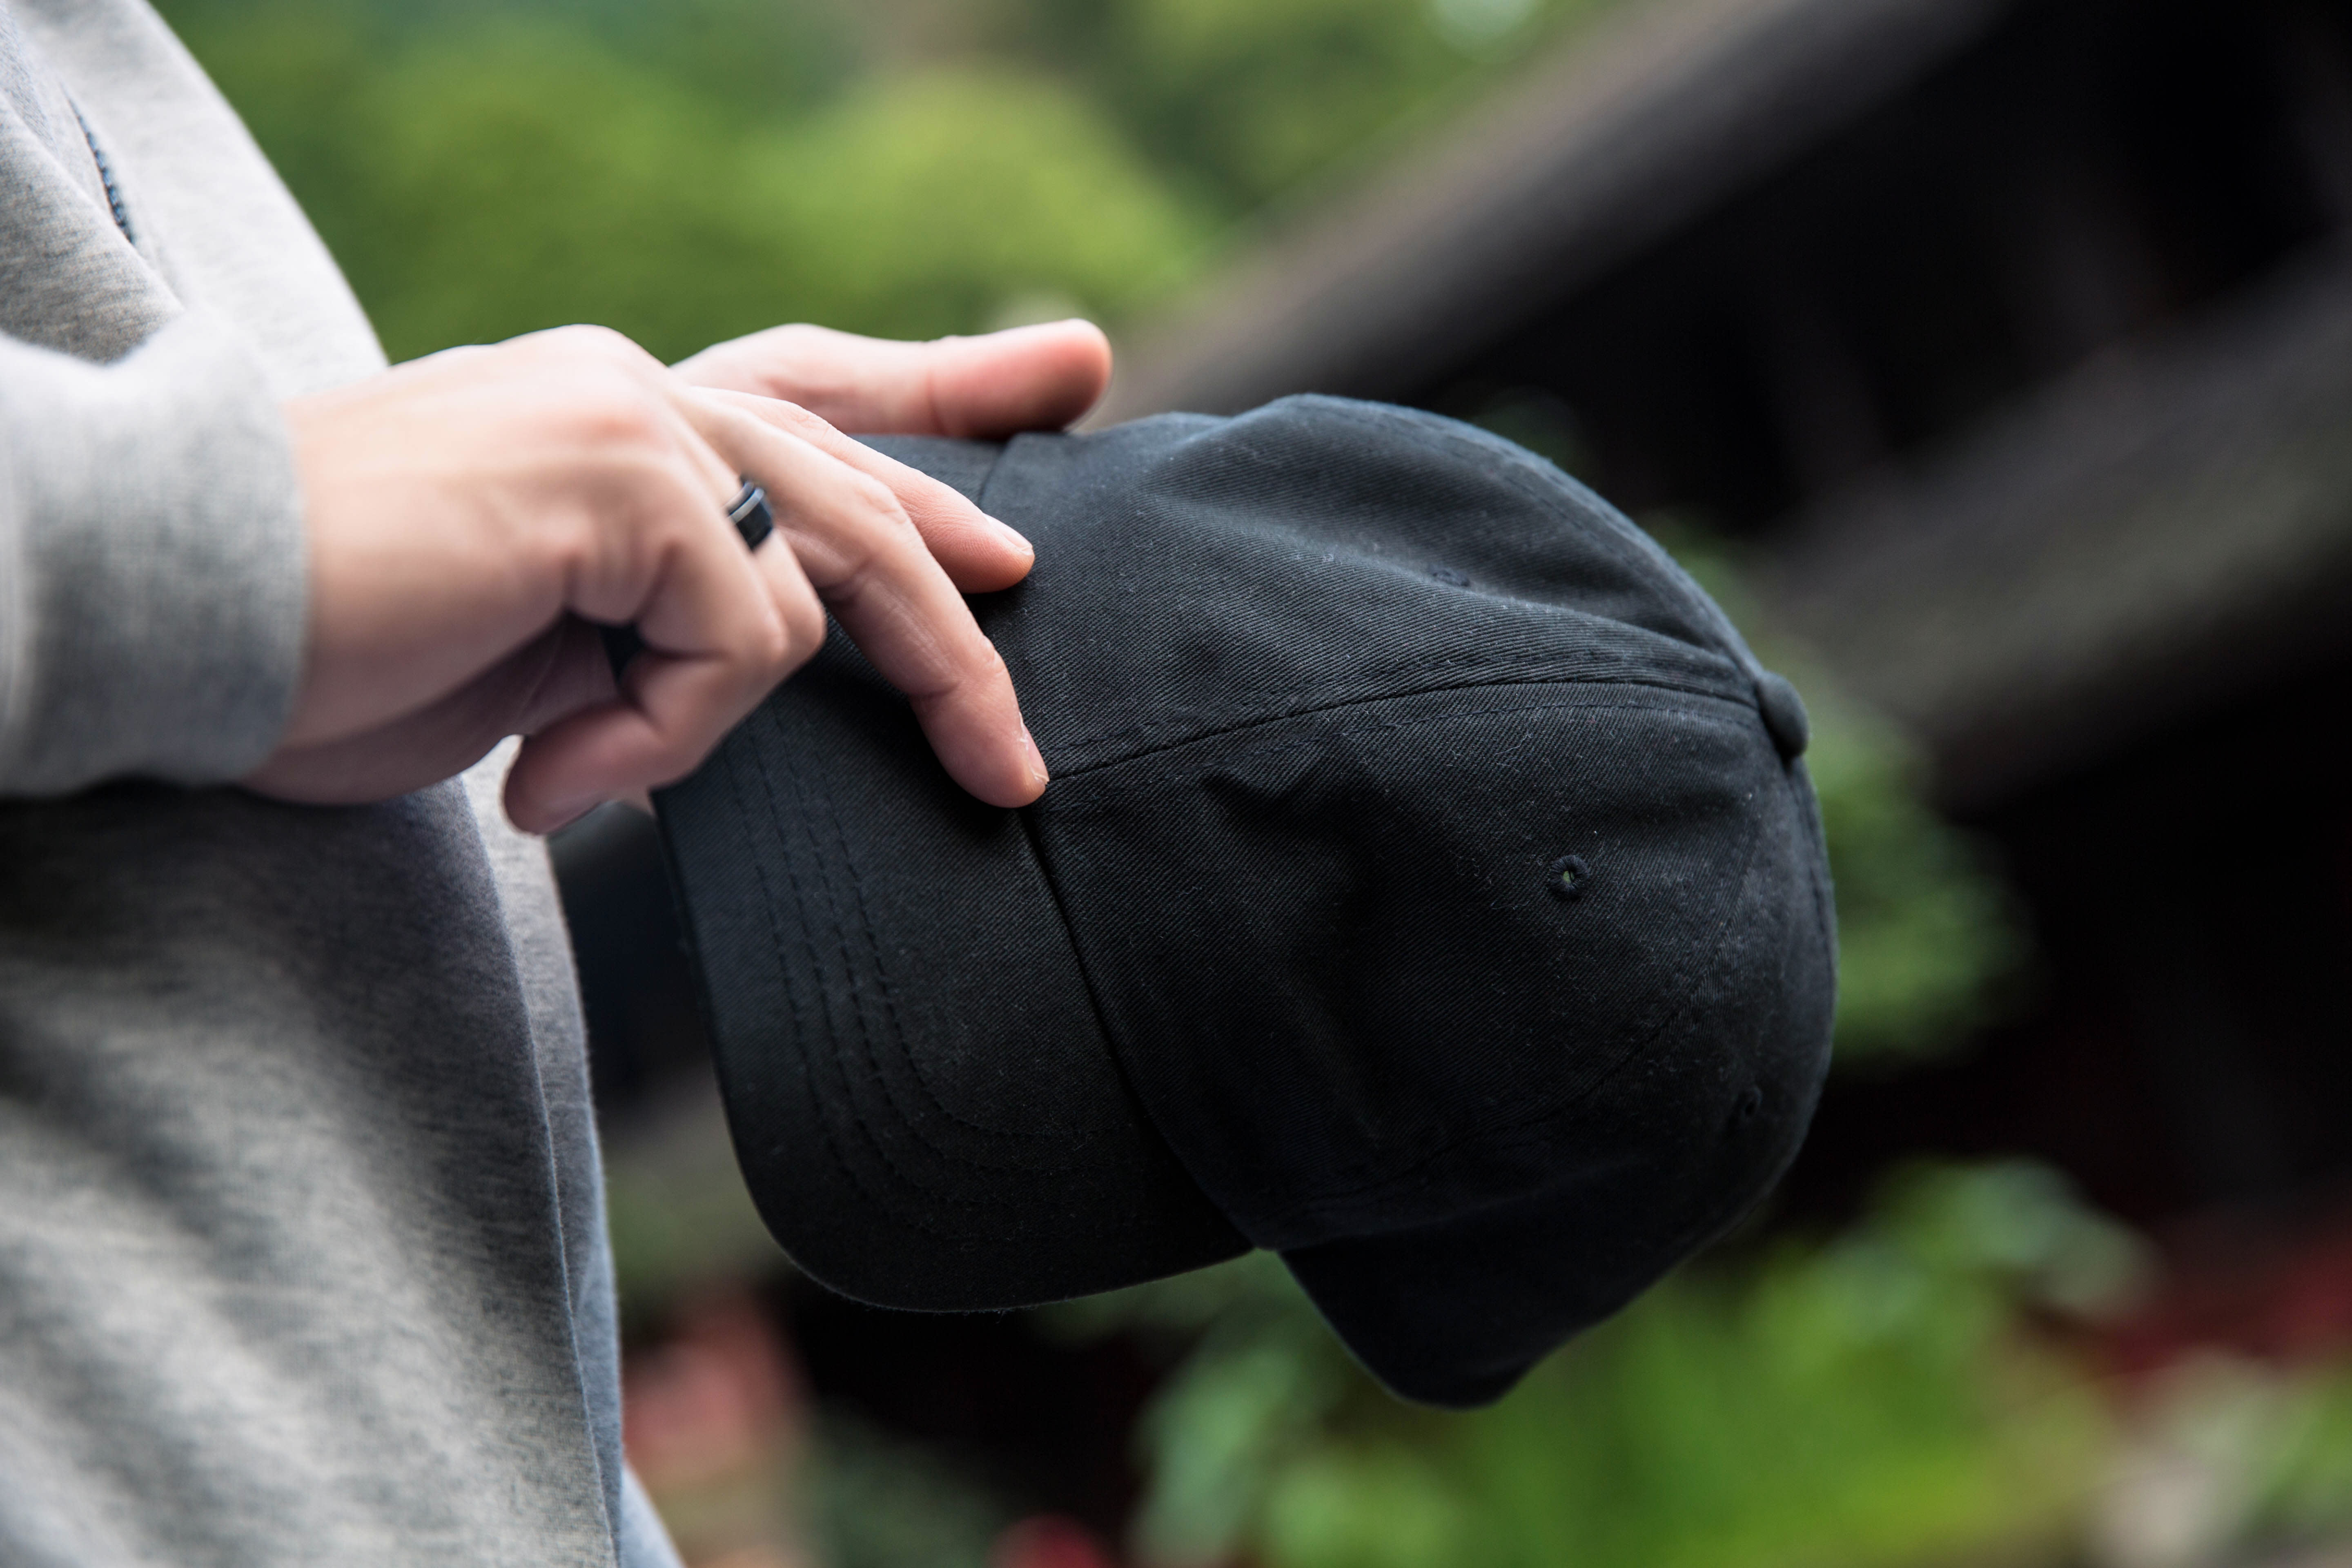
[[922, 1101]]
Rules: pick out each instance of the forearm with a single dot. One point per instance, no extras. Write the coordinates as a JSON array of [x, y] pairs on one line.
[[152, 588]]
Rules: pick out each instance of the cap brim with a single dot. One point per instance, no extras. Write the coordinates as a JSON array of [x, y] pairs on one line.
[[922, 1100], [1455, 1316]]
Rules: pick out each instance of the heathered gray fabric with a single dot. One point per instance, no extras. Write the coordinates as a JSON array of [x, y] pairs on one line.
[[302, 1250], [41, 103], [152, 580]]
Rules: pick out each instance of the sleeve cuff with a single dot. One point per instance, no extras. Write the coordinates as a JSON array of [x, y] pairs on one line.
[[153, 586]]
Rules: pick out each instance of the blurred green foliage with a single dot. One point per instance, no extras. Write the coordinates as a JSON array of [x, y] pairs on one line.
[[1869, 1400], [1242, 100], [2302, 1464], [503, 170], [689, 170], [1926, 928], [875, 1501]]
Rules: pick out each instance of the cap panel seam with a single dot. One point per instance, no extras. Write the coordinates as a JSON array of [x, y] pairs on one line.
[[1085, 770], [1490, 712], [1094, 1001], [1820, 874], [980, 490], [1740, 692], [916, 1216], [1721, 1216], [868, 1032]]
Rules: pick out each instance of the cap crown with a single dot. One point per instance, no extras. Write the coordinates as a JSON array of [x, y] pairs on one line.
[[1429, 889]]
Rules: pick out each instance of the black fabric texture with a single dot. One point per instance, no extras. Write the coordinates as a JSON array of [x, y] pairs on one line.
[[1282, 958], [921, 1095]]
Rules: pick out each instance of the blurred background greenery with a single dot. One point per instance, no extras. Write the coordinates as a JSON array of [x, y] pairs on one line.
[[1911, 1389], [689, 170]]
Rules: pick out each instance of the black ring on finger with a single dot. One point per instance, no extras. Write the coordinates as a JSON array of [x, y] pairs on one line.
[[753, 520], [752, 516]]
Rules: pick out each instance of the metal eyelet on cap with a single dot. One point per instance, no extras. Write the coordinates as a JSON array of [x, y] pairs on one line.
[[1566, 876]]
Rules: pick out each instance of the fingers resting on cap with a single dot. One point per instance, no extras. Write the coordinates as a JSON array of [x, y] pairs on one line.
[[978, 553], [991, 387], [854, 541], [720, 630]]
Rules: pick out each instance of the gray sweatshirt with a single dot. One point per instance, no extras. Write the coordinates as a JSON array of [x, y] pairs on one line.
[[302, 1253]]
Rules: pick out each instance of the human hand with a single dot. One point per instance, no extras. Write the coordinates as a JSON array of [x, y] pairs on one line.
[[1028, 378], [472, 516]]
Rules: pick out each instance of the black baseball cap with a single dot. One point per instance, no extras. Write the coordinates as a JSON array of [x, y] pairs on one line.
[[1430, 891]]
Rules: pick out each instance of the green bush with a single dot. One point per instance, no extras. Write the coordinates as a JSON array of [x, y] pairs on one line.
[[940, 201], [690, 170], [510, 172], [1867, 1401]]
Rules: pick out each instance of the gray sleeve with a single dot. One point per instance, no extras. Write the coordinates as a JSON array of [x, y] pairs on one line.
[[153, 593]]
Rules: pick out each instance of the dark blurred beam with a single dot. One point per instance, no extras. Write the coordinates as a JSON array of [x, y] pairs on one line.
[[1595, 155], [2314, 57], [2154, 536]]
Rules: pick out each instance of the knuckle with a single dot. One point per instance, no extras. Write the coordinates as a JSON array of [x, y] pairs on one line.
[[793, 335], [798, 418], [677, 756], [601, 341], [770, 645], [804, 625], [845, 576], [871, 495], [617, 416], [983, 674]]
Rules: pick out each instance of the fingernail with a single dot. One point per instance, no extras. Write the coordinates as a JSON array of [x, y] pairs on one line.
[[1037, 773], [1013, 536]]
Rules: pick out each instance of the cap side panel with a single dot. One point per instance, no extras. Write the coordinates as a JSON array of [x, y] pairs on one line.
[[1804, 988], [1453, 1314], [1352, 964]]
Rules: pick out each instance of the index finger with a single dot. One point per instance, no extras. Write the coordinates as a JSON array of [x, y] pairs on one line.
[[1024, 378], [859, 550], [978, 553]]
